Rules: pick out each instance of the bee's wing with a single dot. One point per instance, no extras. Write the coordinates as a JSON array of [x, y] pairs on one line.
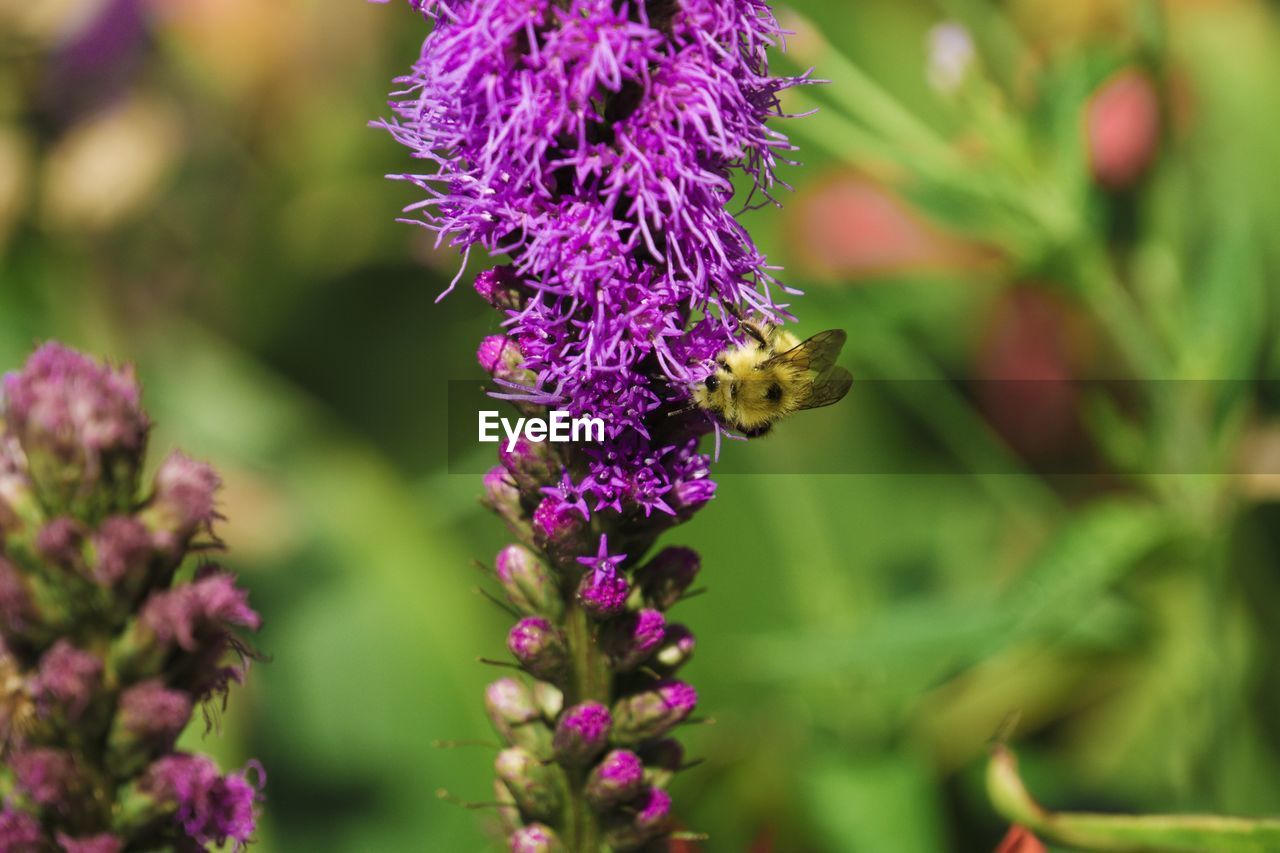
[[830, 387], [818, 353]]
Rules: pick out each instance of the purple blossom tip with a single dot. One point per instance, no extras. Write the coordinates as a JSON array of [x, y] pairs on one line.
[[210, 808], [67, 677], [582, 733]]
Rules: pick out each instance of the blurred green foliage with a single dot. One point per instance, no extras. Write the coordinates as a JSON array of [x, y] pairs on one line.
[[218, 218]]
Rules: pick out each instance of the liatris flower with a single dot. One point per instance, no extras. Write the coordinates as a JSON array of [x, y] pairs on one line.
[[105, 650], [594, 142]]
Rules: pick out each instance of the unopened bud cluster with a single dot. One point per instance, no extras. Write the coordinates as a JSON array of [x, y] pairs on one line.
[[108, 643]]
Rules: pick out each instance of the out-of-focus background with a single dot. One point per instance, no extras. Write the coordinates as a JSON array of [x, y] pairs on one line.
[[1026, 190]]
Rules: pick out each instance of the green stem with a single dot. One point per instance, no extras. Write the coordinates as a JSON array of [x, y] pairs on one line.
[[589, 681], [1089, 831]]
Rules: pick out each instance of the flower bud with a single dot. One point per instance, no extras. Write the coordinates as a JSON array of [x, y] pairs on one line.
[[527, 582], [617, 778], [603, 592], [502, 497], [182, 502], [651, 817], [531, 464], [82, 430], [502, 288], [665, 578], [539, 647], [691, 495], [122, 550], [559, 529], [676, 650], [538, 788], [549, 698], [149, 720], [1123, 127], [653, 712], [516, 716], [535, 838], [60, 541], [67, 679], [581, 734], [663, 759], [632, 637]]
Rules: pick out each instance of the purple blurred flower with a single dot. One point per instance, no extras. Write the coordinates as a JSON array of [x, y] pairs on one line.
[[582, 734], [20, 832], [104, 655]]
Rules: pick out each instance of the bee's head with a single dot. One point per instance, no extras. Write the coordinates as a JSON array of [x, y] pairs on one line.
[[713, 392]]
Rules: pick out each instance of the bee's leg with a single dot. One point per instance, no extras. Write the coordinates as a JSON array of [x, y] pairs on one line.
[[758, 431]]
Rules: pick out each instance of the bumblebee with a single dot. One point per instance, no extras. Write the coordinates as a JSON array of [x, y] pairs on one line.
[[756, 384]]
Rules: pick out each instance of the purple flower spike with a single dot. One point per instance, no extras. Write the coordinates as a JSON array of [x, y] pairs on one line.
[[582, 734], [591, 148], [617, 778]]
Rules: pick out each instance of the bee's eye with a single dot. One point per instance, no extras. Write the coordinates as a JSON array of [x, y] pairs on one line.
[[774, 394], [712, 383]]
